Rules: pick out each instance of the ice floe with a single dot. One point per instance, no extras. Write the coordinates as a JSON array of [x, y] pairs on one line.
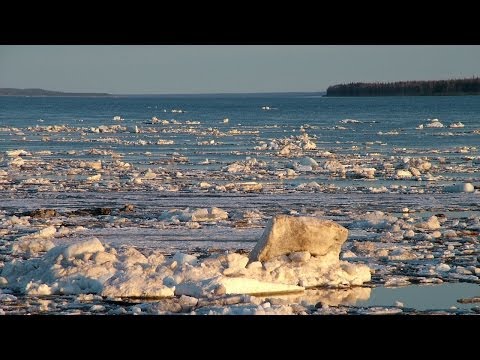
[[92, 267]]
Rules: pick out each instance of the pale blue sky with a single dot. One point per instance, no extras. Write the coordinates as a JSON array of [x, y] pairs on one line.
[[237, 68]]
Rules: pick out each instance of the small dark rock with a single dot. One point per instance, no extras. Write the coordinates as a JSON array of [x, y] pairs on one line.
[[319, 305], [220, 290], [166, 305], [92, 212], [102, 211], [128, 208], [298, 309], [475, 299], [41, 213]]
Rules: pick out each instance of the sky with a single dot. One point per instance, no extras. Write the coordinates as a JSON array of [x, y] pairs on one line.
[[191, 69]]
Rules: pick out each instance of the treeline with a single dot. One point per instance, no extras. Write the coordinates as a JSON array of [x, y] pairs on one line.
[[42, 92], [469, 86]]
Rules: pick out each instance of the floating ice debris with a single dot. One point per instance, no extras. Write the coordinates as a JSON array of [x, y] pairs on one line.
[[401, 254], [456, 125], [95, 165], [198, 215], [442, 267], [250, 186], [457, 188], [350, 121], [312, 185], [377, 190], [204, 185], [391, 132], [5, 298], [334, 166], [118, 118], [149, 174], [404, 174], [376, 310], [225, 121], [19, 152], [17, 161], [177, 111], [475, 299], [45, 233], [165, 142], [34, 181], [266, 108], [360, 172], [374, 219], [94, 178], [308, 161], [212, 214], [434, 123], [431, 224]]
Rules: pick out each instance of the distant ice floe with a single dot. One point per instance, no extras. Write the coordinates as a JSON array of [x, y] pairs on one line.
[[198, 215], [118, 118], [391, 132], [456, 125], [432, 123], [156, 120], [350, 121], [19, 152]]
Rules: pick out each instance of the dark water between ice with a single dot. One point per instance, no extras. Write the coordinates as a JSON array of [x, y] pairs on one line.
[[424, 297], [375, 115]]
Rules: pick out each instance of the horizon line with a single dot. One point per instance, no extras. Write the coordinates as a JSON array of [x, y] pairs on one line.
[[228, 93], [99, 93]]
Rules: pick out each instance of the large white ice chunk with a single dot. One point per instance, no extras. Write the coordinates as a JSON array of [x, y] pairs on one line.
[[89, 246], [285, 234]]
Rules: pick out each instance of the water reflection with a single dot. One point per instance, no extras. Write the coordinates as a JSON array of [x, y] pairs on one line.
[[330, 297], [424, 297], [420, 297]]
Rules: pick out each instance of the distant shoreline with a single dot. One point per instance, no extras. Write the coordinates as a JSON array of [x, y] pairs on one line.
[[12, 92], [45, 93], [453, 87]]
